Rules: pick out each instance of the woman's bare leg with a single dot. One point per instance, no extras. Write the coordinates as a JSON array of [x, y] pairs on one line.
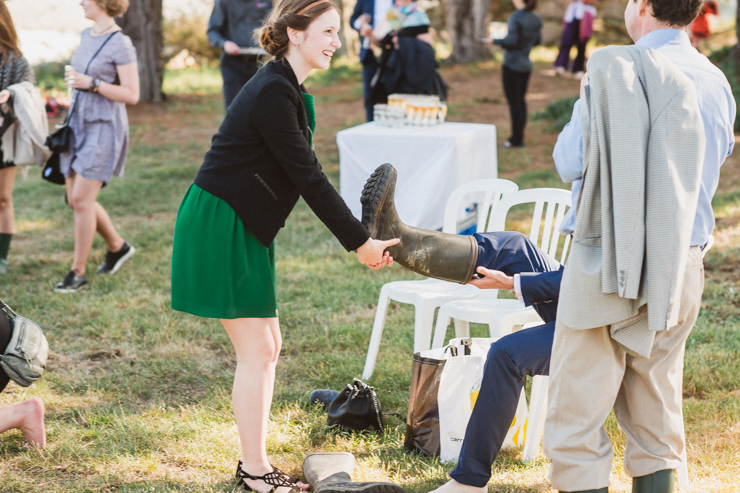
[[7, 212], [28, 416], [257, 342], [90, 217]]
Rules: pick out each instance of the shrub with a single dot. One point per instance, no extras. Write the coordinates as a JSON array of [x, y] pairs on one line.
[[557, 113], [187, 31]]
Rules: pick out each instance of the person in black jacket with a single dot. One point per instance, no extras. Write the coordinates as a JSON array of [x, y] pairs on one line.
[[260, 162], [525, 31]]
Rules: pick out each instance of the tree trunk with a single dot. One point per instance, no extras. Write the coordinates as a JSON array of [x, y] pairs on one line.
[[466, 25], [143, 23], [736, 50]]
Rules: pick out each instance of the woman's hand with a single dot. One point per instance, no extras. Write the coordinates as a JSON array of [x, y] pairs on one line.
[[76, 80], [373, 254], [4, 96], [495, 279]]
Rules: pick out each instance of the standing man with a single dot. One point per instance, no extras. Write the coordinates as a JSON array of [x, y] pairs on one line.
[[364, 19], [231, 28], [657, 124]]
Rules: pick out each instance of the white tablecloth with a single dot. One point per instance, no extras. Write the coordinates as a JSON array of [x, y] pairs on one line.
[[431, 163]]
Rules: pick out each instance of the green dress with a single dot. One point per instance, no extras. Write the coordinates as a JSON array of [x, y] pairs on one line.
[[219, 268]]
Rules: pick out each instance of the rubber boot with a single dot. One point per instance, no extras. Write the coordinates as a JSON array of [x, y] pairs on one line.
[[331, 472], [600, 490], [430, 253], [657, 482]]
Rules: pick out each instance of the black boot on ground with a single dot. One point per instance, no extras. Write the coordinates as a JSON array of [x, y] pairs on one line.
[[323, 397], [430, 253]]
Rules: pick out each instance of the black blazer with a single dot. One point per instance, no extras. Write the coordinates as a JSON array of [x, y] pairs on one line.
[[261, 161]]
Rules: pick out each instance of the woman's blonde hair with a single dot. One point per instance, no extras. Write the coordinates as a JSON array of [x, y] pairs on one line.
[[8, 36], [294, 14], [114, 8]]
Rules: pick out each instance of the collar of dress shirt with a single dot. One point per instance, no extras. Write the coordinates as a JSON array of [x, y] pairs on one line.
[[660, 37]]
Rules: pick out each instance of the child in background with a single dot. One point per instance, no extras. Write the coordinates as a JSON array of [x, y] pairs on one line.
[[404, 19], [577, 28]]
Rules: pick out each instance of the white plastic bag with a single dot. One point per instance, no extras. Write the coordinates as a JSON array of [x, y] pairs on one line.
[[458, 391]]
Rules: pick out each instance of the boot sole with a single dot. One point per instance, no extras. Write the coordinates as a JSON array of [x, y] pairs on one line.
[[375, 194], [365, 488]]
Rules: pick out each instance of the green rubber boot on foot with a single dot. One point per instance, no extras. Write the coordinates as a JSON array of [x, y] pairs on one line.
[[657, 482]]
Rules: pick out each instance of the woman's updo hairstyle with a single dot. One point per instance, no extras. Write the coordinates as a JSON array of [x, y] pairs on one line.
[[296, 14]]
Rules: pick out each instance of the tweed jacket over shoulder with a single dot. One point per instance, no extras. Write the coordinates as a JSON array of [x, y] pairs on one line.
[[643, 148]]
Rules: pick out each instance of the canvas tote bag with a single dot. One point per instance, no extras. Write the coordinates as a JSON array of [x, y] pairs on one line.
[[444, 388]]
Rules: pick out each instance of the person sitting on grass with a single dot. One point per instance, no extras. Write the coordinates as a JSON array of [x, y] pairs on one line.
[[27, 416]]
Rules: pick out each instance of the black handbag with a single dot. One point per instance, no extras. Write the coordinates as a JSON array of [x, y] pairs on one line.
[[52, 170], [356, 408], [59, 140]]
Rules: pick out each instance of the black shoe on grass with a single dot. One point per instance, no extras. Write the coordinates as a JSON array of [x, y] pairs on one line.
[[71, 283], [114, 260]]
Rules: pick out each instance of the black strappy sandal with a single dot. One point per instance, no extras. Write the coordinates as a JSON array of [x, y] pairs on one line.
[[276, 479]]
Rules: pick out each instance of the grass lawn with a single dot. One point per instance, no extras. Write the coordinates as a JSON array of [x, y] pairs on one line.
[[138, 396]]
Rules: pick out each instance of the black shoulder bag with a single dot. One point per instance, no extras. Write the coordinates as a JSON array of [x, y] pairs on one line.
[[356, 408], [58, 141]]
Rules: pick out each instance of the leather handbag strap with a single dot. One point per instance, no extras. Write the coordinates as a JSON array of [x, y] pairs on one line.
[[69, 114], [8, 311]]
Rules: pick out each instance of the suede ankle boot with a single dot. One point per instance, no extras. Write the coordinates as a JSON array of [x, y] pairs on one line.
[[331, 472], [430, 253], [657, 482]]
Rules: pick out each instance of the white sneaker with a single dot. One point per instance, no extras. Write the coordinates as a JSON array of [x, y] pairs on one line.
[[453, 486], [559, 71], [579, 75]]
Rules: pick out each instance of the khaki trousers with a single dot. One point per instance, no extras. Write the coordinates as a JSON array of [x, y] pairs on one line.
[[590, 374]]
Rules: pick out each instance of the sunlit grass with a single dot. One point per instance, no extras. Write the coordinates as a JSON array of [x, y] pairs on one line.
[[138, 396]]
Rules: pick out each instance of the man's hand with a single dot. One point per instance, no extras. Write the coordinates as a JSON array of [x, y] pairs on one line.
[[495, 279], [231, 48], [4, 96]]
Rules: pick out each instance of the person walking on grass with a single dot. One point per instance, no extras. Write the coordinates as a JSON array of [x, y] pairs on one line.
[[260, 162], [27, 416], [525, 31], [100, 134], [13, 70]]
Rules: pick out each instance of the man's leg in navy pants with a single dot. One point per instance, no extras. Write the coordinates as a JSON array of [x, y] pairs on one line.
[[510, 360], [512, 253]]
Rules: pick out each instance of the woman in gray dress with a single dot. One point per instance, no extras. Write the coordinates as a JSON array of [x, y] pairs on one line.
[[13, 69], [100, 127]]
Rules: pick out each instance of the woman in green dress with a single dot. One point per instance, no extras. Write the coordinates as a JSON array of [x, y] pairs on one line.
[[260, 162]]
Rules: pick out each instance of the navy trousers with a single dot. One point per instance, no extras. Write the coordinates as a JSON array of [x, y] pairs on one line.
[[510, 360]]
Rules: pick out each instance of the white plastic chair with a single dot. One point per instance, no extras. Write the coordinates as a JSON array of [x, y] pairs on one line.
[[429, 294], [502, 315], [538, 411]]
